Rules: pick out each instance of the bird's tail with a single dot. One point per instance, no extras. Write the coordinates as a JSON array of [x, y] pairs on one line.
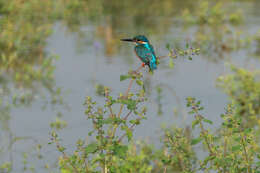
[[152, 66]]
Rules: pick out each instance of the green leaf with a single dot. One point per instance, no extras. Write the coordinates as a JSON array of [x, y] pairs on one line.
[[61, 149], [90, 133], [124, 77], [205, 162], [131, 104], [144, 88], [63, 170], [108, 120], [187, 45], [166, 161], [120, 150], [258, 163], [190, 58], [196, 141], [171, 63], [191, 112], [134, 122], [139, 82], [237, 138], [201, 108], [129, 134], [207, 121], [168, 46], [91, 148], [194, 123], [236, 148], [248, 130]]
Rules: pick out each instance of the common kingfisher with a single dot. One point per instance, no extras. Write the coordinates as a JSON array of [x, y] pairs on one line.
[[144, 51]]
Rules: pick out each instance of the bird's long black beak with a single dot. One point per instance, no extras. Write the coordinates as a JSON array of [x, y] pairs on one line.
[[127, 39]]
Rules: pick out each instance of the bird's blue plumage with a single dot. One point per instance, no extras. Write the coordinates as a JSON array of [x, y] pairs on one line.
[[147, 55], [144, 50]]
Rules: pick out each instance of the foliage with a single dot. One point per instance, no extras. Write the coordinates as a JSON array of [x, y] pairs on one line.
[[108, 151], [243, 89], [216, 28], [27, 73], [177, 154], [232, 148], [26, 68]]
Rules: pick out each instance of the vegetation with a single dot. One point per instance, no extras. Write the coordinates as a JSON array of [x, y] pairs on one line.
[[27, 73], [233, 147]]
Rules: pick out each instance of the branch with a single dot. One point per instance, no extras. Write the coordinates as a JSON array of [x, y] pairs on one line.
[[127, 91], [131, 128], [204, 135], [245, 152], [122, 105], [65, 156], [129, 113]]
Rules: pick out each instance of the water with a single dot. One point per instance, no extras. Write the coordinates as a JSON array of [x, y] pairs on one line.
[[96, 61]]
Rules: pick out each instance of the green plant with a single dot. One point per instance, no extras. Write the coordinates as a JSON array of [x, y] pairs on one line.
[[233, 149], [109, 129], [216, 31], [243, 89]]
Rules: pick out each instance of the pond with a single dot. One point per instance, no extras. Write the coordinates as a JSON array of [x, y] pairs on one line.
[[91, 54]]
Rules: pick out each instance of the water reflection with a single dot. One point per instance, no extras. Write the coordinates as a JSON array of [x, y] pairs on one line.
[[28, 75], [26, 67]]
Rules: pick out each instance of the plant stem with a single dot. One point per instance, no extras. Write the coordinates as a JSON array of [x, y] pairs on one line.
[[126, 94], [203, 131], [225, 152], [131, 128], [66, 157], [127, 115], [122, 105], [178, 156], [245, 152], [165, 169]]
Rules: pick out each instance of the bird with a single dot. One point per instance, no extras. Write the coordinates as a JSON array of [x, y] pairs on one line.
[[144, 51]]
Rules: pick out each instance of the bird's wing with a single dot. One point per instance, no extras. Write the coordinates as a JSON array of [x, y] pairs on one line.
[[143, 53], [152, 59], [152, 49]]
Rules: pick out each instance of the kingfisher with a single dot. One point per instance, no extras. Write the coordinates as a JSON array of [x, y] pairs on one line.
[[144, 51]]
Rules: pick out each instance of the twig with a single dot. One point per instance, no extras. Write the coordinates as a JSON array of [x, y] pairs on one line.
[[111, 111], [161, 57], [204, 135], [65, 156], [225, 152], [178, 156], [122, 105], [165, 169], [129, 113], [127, 91], [120, 139], [131, 128], [245, 152], [109, 107]]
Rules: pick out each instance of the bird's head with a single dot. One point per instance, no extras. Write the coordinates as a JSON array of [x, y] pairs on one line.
[[139, 40]]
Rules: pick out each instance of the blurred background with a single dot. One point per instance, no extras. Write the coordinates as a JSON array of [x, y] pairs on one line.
[[55, 53]]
